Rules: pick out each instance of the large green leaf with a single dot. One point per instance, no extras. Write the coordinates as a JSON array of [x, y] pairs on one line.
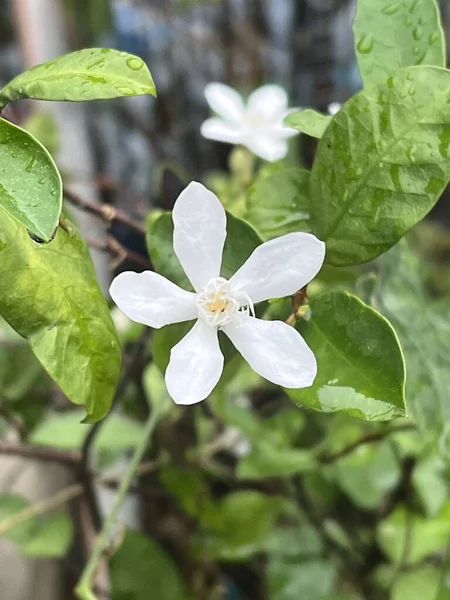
[[49, 294], [30, 184], [309, 121], [417, 584], [360, 363], [423, 327], [392, 34], [141, 570], [278, 203], [311, 579], [90, 74], [381, 165]]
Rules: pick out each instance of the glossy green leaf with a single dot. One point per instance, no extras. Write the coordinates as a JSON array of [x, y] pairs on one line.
[[140, 569], [391, 34], [427, 536], [360, 363], [278, 203], [39, 537], [430, 484], [49, 294], [66, 431], [381, 165], [309, 121], [30, 184], [423, 327], [89, 74]]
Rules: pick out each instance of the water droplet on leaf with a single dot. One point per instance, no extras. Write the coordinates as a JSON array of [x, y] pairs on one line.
[[365, 44], [434, 37], [418, 33], [125, 91], [390, 9], [135, 64]]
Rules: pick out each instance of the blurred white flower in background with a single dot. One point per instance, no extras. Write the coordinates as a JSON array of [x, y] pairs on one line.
[[334, 108], [276, 269], [257, 124]]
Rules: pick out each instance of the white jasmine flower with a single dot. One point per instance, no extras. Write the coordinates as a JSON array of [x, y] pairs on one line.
[[258, 125], [276, 269]]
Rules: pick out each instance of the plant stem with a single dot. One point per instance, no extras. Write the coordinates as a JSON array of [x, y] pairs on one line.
[[83, 590]]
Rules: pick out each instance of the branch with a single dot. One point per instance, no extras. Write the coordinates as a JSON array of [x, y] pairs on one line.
[[370, 438], [84, 587], [70, 459], [106, 212], [115, 248]]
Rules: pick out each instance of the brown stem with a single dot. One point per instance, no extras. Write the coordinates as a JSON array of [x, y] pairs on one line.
[[106, 212], [71, 459], [115, 248], [370, 438]]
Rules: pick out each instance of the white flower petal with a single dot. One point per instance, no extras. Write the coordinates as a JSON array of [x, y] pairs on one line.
[[220, 130], [268, 100], [199, 233], [267, 145], [225, 101], [152, 300], [280, 267], [196, 364], [273, 349]]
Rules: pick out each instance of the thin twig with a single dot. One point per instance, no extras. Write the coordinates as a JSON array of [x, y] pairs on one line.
[[68, 493], [106, 212], [115, 248], [370, 438], [71, 459], [84, 587]]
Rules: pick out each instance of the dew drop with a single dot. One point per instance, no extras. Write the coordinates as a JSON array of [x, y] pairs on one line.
[[53, 192], [433, 38], [416, 51], [135, 64], [412, 91], [125, 91], [365, 44], [408, 22], [42, 181], [411, 153], [390, 9], [417, 33]]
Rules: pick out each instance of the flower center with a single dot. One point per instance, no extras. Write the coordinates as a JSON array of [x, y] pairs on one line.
[[256, 120], [218, 302]]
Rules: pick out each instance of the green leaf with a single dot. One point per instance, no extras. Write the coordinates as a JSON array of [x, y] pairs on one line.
[[430, 484], [44, 128], [278, 203], [367, 475], [65, 431], [30, 184], [426, 536], [391, 34], [51, 537], [38, 537], [360, 364], [309, 121], [49, 294], [312, 580], [240, 525], [140, 568], [416, 585], [423, 327], [266, 460], [381, 165], [89, 74]]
